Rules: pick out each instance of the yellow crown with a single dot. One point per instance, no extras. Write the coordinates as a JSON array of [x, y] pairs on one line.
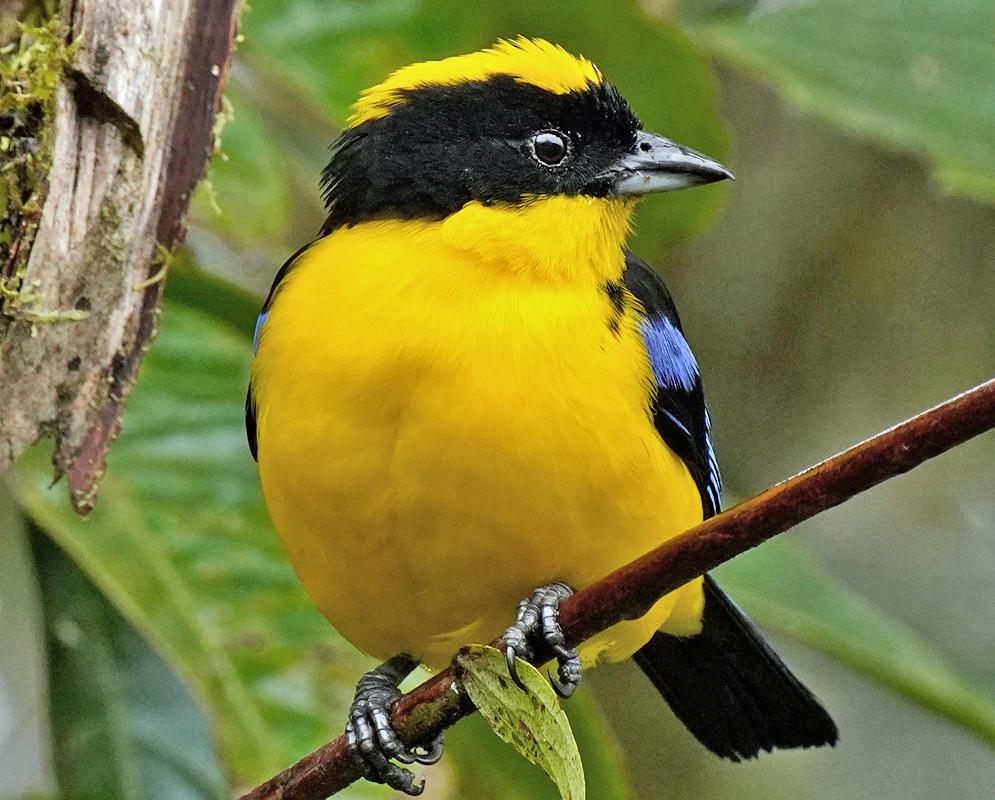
[[533, 61]]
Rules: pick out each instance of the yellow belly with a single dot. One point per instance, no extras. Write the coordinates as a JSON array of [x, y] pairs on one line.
[[439, 435]]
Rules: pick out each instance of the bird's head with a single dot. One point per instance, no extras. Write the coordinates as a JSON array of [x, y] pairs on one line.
[[522, 131]]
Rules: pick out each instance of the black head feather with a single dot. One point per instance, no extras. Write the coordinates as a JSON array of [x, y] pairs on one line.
[[441, 146]]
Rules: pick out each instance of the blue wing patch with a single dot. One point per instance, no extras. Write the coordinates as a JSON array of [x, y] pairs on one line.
[[672, 361], [678, 403], [259, 326]]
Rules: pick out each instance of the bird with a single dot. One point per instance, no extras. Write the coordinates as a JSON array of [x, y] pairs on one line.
[[466, 391]]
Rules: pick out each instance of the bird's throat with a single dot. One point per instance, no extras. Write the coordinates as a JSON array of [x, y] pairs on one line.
[[572, 238]]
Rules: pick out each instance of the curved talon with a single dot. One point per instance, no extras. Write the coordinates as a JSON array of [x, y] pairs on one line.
[[516, 646], [513, 671], [559, 688], [369, 734], [538, 617], [401, 780], [433, 752], [404, 756]]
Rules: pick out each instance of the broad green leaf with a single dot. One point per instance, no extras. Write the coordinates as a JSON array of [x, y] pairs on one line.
[[181, 544], [783, 590], [125, 726], [498, 773], [529, 719], [326, 53], [917, 76]]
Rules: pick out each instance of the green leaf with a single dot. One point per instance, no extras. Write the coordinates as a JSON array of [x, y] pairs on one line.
[[125, 726], [917, 76], [181, 544], [483, 769], [807, 604], [531, 720]]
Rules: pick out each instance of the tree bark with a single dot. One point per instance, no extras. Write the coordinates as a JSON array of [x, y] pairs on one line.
[[133, 121]]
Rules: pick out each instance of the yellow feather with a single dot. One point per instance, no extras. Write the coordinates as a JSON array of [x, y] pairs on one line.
[[446, 421], [533, 61]]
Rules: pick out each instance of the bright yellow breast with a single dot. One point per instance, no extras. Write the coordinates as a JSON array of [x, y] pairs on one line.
[[449, 417]]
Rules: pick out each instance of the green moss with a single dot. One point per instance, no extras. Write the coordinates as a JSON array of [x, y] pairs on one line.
[[30, 70], [31, 74]]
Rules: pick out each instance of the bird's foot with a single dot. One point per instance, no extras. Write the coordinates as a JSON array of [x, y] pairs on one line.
[[370, 736], [538, 619]]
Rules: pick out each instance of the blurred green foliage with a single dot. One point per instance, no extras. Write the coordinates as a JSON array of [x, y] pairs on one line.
[[911, 75], [125, 726], [182, 571]]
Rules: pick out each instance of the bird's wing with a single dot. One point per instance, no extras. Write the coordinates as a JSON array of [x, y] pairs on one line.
[[679, 411]]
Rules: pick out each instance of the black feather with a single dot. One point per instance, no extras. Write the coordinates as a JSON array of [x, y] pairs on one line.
[[250, 423], [730, 689]]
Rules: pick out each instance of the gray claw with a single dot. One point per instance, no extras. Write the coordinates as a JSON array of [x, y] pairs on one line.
[[538, 617], [372, 740], [570, 672], [433, 752], [516, 646], [559, 688]]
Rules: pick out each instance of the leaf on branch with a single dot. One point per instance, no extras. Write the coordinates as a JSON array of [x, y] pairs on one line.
[[531, 721]]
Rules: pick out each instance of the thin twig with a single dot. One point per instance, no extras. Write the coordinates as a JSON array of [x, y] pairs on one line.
[[630, 591]]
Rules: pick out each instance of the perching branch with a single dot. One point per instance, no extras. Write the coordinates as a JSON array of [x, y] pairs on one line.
[[629, 592]]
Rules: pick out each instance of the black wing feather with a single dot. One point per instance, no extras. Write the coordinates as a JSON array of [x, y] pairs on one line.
[[679, 411], [725, 684]]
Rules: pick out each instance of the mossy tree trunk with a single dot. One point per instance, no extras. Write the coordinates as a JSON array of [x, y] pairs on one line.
[[122, 143]]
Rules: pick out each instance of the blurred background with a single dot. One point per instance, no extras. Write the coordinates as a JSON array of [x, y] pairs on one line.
[[163, 649]]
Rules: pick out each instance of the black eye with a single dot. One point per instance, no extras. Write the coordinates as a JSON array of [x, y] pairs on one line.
[[549, 147]]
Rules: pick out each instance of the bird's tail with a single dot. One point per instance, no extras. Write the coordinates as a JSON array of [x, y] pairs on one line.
[[729, 687]]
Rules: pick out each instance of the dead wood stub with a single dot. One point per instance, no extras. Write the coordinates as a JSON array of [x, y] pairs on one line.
[[132, 134]]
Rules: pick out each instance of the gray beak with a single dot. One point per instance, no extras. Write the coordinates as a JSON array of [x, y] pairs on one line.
[[660, 165]]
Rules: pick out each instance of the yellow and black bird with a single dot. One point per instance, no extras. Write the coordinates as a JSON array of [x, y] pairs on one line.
[[467, 388]]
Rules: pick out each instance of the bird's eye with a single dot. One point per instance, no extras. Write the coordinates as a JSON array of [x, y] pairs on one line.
[[549, 147]]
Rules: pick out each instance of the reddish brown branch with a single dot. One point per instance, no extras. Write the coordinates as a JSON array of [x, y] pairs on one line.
[[630, 591]]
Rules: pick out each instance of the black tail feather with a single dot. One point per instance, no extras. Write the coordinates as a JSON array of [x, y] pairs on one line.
[[729, 687]]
